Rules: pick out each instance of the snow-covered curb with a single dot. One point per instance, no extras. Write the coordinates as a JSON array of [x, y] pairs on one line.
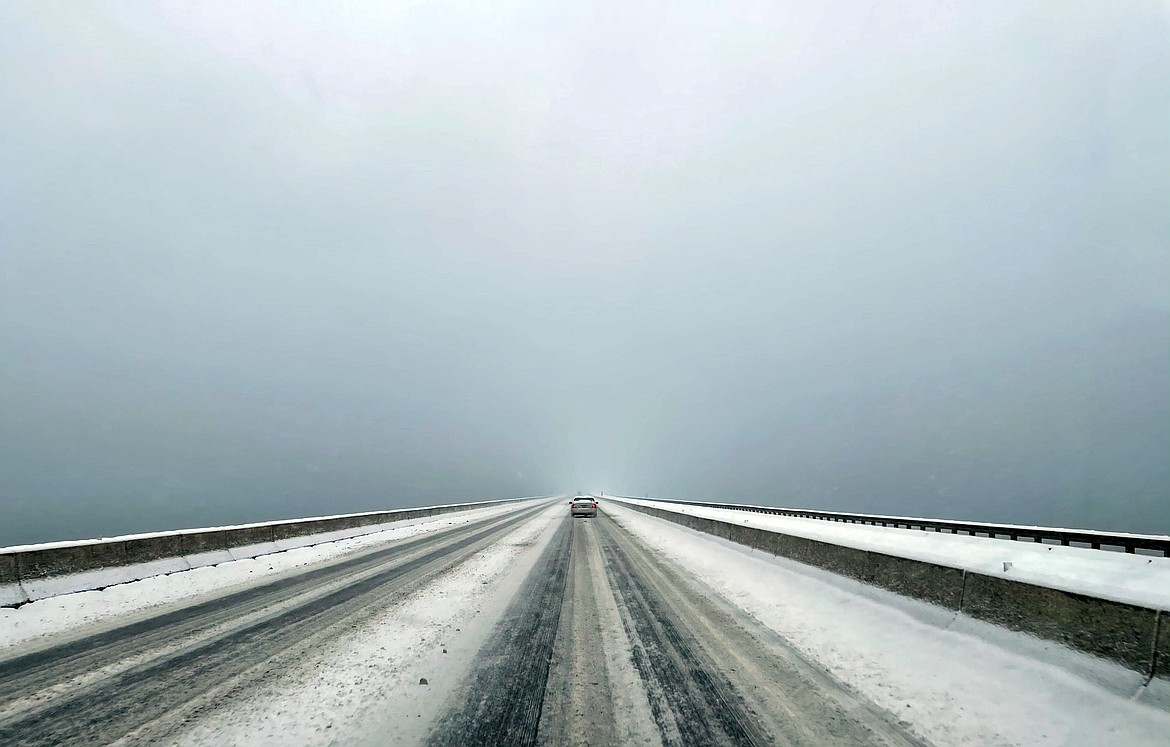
[[958, 683], [1119, 577], [1132, 635], [32, 572], [64, 613]]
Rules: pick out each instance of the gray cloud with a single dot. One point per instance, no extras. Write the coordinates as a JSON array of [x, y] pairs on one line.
[[267, 261]]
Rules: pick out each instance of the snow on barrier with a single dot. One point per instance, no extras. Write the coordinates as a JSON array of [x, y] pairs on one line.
[[28, 573], [1151, 544], [1135, 636]]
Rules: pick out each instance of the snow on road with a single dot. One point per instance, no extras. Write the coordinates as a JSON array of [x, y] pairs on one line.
[[113, 605], [1133, 579], [364, 688], [955, 687], [954, 681]]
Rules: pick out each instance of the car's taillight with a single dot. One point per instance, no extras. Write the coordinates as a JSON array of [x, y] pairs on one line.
[[594, 505]]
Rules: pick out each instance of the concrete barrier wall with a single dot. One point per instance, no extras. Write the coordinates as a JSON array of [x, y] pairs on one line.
[[210, 540], [10, 591], [1136, 637], [28, 575], [1113, 630]]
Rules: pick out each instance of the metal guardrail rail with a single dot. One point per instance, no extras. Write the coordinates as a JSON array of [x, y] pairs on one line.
[[1146, 544]]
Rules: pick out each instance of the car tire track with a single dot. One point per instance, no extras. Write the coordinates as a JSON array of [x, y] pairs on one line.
[[717, 678], [218, 645], [690, 701], [501, 702]]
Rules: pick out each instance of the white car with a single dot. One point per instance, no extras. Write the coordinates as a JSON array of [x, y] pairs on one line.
[[583, 505]]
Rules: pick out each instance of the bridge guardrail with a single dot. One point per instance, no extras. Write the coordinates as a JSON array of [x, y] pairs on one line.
[[1135, 636], [1152, 544], [28, 573]]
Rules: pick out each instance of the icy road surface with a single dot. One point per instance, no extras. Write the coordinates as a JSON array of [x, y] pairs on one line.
[[530, 627]]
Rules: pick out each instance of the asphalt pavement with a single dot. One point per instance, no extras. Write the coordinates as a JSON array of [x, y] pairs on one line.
[[638, 654], [603, 643]]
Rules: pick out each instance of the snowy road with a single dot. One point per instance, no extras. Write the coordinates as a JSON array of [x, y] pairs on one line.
[[145, 680], [685, 670], [530, 627]]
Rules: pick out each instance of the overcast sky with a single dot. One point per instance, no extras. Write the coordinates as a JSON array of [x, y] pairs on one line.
[[272, 260]]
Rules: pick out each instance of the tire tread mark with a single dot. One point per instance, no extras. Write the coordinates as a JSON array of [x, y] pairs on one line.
[[504, 695], [61, 656], [136, 697], [691, 702]]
